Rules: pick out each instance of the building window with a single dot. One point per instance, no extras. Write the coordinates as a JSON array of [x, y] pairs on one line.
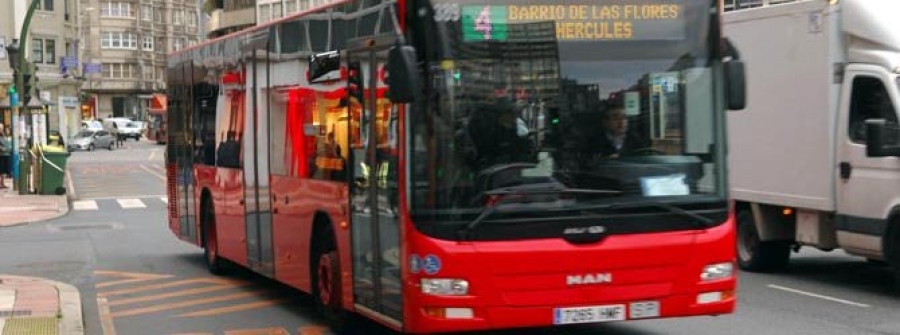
[[116, 9], [37, 51], [146, 12], [192, 19], [177, 44], [45, 5], [50, 51], [120, 71], [148, 43], [178, 17], [291, 7], [118, 40]]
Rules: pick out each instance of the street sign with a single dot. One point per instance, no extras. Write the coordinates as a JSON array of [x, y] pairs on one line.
[[13, 98], [69, 61], [92, 68]]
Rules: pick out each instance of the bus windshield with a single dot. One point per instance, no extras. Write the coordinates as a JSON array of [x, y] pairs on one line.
[[566, 104]]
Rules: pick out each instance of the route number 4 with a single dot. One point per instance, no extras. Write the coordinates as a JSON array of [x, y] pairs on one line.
[[483, 22]]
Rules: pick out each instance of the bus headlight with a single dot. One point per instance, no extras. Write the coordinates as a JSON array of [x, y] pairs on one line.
[[717, 271], [438, 286]]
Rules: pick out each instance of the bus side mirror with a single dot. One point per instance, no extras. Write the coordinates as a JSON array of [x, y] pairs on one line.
[[875, 146], [735, 84], [404, 82]]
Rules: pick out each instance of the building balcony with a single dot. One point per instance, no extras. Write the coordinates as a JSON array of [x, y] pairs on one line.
[[221, 20]]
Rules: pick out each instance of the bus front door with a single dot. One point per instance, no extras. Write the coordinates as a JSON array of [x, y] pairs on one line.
[[374, 191]]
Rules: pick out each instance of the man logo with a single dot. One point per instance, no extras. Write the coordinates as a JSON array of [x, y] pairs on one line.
[[585, 230], [590, 278]]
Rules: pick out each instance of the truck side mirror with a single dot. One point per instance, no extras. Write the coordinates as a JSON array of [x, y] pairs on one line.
[[875, 146], [403, 79], [735, 84]]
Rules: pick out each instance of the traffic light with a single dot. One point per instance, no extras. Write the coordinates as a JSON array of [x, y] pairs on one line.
[[29, 80]]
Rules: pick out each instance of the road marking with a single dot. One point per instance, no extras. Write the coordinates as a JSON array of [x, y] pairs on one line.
[[153, 172], [264, 331], [164, 199], [129, 281], [232, 309], [167, 285], [181, 293], [174, 305], [131, 203], [814, 295], [85, 205], [71, 185], [152, 154], [106, 322], [312, 330]]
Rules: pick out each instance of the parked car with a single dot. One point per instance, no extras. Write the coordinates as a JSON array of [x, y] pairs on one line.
[[133, 130], [92, 125], [89, 139]]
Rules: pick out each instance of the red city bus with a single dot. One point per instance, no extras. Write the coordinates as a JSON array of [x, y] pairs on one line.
[[156, 128], [442, 165]]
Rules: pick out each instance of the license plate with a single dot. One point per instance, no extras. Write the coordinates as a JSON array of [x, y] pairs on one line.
[[588, 314]]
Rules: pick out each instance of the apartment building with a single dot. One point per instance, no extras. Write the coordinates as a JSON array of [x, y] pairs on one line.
[[125, 48], [267, 10], [53, 46], [228, 16]]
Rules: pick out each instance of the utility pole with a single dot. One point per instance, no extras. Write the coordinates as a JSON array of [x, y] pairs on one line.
[[17, 62]]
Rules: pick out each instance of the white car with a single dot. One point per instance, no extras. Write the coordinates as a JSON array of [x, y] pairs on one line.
[[91, 125], [133, 130]]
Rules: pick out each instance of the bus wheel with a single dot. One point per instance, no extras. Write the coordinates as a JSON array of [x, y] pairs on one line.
[[214, 263], [755, 255], [327, 290], [892, 250]]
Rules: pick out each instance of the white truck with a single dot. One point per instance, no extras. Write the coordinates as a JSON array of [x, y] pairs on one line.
[[814, 156]]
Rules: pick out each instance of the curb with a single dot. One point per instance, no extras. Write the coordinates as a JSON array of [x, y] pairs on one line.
[[62, 202], [71, 320]]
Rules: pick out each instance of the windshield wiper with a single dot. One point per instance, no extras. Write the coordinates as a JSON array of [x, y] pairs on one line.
[[700, 220], [491, 209]]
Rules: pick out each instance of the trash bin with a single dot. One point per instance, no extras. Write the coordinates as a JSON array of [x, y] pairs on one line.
[[53, 179]]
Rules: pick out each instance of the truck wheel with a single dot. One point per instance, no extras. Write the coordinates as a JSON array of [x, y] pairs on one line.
[[892, 251], [755, 255]]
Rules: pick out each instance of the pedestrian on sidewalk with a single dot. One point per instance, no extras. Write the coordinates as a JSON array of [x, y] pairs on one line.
[[5, 154]]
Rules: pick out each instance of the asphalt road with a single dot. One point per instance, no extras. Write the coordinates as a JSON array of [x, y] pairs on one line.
[[136, 278]]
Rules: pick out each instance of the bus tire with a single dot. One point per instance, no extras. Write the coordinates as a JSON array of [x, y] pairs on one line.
[[755, 255], [214, 263], [327, 290]]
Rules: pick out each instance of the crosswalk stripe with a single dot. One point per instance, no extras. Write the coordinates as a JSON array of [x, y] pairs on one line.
[[232, 309], [131, 203], [85, 205], [174, 305], [167, 285], [180, 293]]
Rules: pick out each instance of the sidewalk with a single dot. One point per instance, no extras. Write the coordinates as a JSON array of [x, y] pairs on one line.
[[18, 209], [35, 306]]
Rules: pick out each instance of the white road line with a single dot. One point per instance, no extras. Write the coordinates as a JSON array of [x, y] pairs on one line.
[[85, 205], [131, 203], [71, 185], [164, 199], [814, 295], [152, 154], [153, 172]]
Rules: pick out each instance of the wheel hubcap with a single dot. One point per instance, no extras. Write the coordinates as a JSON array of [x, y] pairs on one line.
[[746, 243]]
